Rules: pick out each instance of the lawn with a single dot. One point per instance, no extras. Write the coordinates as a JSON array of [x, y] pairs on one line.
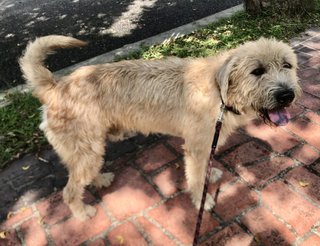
[[19, 132]]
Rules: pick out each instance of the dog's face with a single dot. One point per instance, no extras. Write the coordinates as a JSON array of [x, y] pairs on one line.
[[261, 75]]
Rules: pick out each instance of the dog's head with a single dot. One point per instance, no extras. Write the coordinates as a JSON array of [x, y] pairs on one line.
[[260, 76]]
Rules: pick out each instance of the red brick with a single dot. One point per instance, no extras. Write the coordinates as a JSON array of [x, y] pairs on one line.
[[33, 233], [126, 234], [53, 209], [232, 235], [305, 154], [316, 167], [11, 239], [152, 159], [226, 178], [308, 101], [310, 185], [313, 240], [259, 173], [313, 117], [178, 216], [235, 200], [295, 110], [314, 61], [303, 58], [306, 130], [311, 86], [128, 194], [279, 140], [98, 242], [313, 44], [16, 217], [172, 179], [234, 139], [247, 152], [307, 73], [291, 207], [74, 231], [267, 229], [157, 237], [176, 143]]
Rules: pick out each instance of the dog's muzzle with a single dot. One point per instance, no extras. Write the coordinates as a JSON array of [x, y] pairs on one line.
[[279, 115]]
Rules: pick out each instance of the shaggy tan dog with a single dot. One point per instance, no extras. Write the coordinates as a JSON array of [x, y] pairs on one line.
[[180, 97]]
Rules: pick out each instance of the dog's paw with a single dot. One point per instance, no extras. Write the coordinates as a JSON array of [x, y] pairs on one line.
[[85, 213], [209, 204], [216, 175], [103, 180]]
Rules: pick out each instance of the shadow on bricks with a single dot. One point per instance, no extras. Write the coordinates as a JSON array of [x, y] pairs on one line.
[[269, 193]]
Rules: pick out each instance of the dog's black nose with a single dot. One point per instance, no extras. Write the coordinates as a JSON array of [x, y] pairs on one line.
[[284, 96]]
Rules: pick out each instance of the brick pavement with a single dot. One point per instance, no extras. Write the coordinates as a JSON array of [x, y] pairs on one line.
[[269, 194]]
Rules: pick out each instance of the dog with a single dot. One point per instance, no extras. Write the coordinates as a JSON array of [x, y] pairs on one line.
[[175, 96]]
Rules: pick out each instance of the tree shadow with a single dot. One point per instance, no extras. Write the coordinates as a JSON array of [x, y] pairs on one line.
[[106, 26], [238, 214]]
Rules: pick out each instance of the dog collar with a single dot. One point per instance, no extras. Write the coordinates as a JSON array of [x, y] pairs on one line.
[[232, 109]]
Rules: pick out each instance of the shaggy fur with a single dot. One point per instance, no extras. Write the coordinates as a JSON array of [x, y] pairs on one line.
[[180, 97]]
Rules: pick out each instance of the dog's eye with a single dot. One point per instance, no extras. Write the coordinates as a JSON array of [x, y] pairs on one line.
[[258, 71], [287, 65]]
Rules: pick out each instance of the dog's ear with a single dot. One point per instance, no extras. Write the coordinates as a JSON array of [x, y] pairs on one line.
[[223, 76]]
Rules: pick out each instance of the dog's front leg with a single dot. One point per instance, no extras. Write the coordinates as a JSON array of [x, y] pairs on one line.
[[196, 161]]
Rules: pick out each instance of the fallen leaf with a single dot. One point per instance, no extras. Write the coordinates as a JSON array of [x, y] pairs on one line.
[[43, 160], [303, 183], [25, 168], [3, 234], [120, 239], [177, 165], [9, 215], [22, 209], [257, 238], [40, 221]]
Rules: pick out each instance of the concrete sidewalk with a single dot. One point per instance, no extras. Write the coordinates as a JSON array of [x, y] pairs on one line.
[[269, 194]]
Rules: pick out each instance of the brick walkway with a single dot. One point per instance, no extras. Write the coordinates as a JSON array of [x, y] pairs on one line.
[[269, 194]]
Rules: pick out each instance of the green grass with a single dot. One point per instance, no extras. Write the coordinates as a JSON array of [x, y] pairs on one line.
[[19, 127], [228, 33], [19, 132]]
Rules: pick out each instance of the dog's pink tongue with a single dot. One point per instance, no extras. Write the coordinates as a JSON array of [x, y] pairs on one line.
[[279, 117]]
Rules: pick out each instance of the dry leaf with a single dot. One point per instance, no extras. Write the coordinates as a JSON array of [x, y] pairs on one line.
[[43, 160], [120, 239], [177, 165], [25, 168], [303, 183], [40, 221], [257, 238], [22, 209], [9, 215], [3, 234]]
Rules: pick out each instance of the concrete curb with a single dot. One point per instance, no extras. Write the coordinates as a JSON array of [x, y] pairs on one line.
[[160, 38], [157, 39]]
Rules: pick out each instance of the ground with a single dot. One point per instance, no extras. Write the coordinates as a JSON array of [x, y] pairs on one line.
[[269, 193]]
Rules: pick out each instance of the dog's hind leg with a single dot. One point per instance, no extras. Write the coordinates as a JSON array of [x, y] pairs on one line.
[[83, 157]]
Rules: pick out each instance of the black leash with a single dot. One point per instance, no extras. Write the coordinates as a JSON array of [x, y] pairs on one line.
[[208, 173]]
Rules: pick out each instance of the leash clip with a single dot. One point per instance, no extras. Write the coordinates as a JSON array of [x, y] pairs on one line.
[[222, 110]]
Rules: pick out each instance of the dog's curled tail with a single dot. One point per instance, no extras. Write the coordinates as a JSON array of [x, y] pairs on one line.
[[38, 77]]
